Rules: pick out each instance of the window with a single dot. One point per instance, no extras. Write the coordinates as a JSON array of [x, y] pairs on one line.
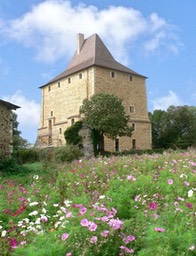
[[132, 109], [51, 113], [133, 143], [130, 78], [112, 74], [60, 130], [116, 144], [59, 84], [80, 76], [49, 88], [133, 126], [72, 121], [69, 80]]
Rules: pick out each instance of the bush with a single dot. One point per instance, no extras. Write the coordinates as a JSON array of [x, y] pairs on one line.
[[67, 153], [27, 155], [71, 134], [10, 166]]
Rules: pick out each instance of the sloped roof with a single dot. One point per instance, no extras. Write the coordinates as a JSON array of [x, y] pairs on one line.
[[93, 53], [8, 104]]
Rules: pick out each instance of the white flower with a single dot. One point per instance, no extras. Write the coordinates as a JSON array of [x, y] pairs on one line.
[[102, 197], [33, 203], [55, 205], [67, 203], [4, 232], [35, 177], [1, 227], [38, 221], [183, 175], [44, 210], [26, 220], [190, 193], [33, 213]]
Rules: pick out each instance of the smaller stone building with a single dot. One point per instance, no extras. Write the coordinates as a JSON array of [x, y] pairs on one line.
[[6, 127]]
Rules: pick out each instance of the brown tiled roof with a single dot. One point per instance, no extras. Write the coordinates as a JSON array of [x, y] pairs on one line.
[[8, 104], [92, 53]]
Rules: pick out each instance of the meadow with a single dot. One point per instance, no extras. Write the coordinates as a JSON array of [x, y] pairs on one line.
[[121, 205]]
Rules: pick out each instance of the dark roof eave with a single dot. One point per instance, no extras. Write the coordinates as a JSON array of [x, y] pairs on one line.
[[9, 105]]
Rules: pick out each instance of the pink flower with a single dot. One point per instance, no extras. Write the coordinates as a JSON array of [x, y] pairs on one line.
[[104, 233], [83, 210], [68, 215], [152, 205], [93, 240], [129, 239], [162, 230], [116, 223], [44, 219], [137, 198], [189, 205], [13, 243], [84, 223], [170, 181], [92, 226], [155, 216], [23, 242], [104, 218], [180, 198], [68, 254], [186, 183], [64, 236], [127, 250]]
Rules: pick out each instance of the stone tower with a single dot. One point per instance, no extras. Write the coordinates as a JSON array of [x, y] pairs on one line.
[[93, 70]]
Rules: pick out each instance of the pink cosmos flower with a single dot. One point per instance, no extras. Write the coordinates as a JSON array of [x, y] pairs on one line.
[[44, 219], [23, 242], [64, 236], [83, 210], [155, 216], [68, 215], [129, 239], [116, 223], [104, 218], [189, 205], [104, 233], [162, 230], [84, 223], [13, 243], [92, 226], [180, 199], [93, 240], [127, 250], [152, 205], [186, 183], [68, 254], [170, 181]]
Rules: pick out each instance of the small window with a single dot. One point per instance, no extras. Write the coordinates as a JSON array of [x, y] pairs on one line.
[[49, 88], [132, 109], [59, 84], [80, 76], [112, 74], [72, 121], [51, 113], [117, 145], [130, 78], [69, 80], [133, 143], [60, 130], [133, 126]]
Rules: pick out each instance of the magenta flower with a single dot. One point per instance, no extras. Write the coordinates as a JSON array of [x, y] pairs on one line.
[[92, 226], [180, 198], [152, 205], [104, 233], [82, 210], [64, 236], [84, 223], [44, 219], [93, 240], [68, 254], [116, 223], [13, 243], [170, 181], [162, 230], [129, 239], [186, 183], [189, 205]]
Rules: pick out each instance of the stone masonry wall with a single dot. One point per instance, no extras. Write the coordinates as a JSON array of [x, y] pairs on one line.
[[5, 131]]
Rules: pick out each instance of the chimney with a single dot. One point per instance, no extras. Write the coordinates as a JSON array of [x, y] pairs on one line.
[[80, 41]]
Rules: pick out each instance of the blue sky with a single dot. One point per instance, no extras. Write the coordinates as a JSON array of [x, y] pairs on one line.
[[154, 38]]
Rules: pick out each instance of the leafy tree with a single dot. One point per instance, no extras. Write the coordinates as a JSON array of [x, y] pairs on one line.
[[105, 113], [176, 127], [71, 134], [18, 141]]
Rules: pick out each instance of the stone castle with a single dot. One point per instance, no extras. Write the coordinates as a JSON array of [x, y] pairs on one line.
[[93, 70]]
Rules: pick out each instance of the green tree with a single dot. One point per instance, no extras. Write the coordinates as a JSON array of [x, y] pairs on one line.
[[18, 141], [105, 113], [174, 128], [71, 134]]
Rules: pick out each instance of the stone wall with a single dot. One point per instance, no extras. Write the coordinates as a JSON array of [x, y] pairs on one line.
[[5, 131]]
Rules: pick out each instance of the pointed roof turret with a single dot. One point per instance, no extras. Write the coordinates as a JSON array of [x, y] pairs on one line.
[[92, 52]]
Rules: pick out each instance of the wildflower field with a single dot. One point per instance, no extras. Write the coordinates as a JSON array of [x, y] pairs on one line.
[[129, 205]]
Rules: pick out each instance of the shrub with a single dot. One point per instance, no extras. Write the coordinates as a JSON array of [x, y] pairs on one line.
[[71, 134], [27, 155], [67, 153], [10, 166]]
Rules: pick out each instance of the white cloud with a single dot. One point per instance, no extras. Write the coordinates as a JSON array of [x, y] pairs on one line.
[[28, 114], [51, 27], [164, 102]]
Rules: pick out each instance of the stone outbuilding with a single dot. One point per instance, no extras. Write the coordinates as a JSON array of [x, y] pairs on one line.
[[6, 127], [93, 70]]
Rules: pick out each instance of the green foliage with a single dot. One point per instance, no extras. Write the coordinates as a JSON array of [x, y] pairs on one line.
[[174, 128], [105, 113], [27, 155], [10, 166], [71, 134], [67, 153]]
